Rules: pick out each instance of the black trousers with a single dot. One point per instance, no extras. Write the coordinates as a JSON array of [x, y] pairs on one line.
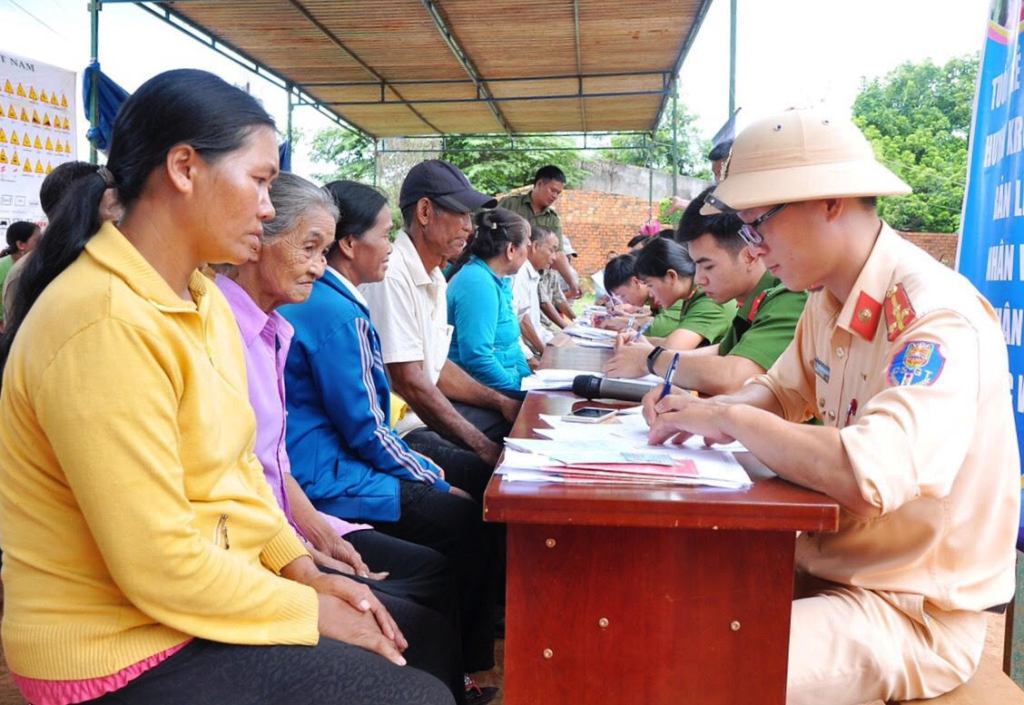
[[330, 673], [454, 526], [416, 573], [462, 467]]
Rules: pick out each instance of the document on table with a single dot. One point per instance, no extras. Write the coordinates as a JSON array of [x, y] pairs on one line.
[[615, 454]]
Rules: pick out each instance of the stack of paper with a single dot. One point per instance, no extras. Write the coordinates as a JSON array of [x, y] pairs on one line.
[[616, 454], [588, 336]]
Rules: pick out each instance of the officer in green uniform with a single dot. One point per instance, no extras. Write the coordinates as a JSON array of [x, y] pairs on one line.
[[760, 331]]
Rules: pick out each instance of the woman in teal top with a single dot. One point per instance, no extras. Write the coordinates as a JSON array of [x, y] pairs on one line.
[[485, 342], [695, 320]]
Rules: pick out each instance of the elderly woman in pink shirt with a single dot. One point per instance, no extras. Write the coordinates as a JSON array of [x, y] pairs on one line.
[[283, 269]]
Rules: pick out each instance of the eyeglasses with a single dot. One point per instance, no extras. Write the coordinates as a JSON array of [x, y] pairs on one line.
[[749, 231]]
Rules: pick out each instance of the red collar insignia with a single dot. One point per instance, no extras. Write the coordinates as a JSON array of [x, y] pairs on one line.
[[864, 321], [899, 312]]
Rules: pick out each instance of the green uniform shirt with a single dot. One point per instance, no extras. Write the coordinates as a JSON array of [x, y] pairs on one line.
[[5, 266], [698, 314], [764, 327], [547, 218]]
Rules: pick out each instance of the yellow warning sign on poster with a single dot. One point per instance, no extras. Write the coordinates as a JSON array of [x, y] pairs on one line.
[[37, 118]]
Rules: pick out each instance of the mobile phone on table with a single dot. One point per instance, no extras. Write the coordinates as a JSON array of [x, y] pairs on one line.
[[590, 414]]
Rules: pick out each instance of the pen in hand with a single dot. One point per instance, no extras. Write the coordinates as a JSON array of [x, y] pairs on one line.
[[667, 387], [643, 329]]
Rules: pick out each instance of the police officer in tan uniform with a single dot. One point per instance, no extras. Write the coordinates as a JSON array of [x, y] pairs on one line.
[[905, 365]]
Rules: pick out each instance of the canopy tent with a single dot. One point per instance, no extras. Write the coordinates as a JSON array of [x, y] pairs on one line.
[[427, 67]]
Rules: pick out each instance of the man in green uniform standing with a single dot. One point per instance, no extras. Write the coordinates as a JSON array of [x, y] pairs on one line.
[[760, 331], [536, 206]]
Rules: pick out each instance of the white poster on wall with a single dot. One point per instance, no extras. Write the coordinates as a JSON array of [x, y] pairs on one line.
[[37, 132]]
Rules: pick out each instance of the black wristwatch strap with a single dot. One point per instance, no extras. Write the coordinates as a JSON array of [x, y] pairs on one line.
[[652, 357]]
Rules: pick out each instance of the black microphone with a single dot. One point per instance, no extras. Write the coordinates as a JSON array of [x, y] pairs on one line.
[[594, 387]]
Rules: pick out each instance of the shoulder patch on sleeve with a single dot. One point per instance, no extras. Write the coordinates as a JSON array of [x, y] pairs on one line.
[[917, 362]]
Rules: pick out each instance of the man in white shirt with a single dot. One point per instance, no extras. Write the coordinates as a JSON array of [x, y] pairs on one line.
[[540, 256], [457, 422]]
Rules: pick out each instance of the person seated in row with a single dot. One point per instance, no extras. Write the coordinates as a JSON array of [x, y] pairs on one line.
[[485, 339], [290, 258], [692, 319], [904, 364], [540, 256], [456, 421], [727, 270], [553, 302], [22, 238], [343, 451], [145, 558]]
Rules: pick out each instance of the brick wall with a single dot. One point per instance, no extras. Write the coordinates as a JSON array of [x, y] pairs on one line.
[[600, 223], [941, 246]]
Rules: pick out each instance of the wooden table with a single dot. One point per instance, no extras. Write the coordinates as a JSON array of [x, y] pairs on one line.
[[665, 596]]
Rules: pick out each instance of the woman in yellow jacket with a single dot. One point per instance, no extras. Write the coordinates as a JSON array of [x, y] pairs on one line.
[[145, 559]]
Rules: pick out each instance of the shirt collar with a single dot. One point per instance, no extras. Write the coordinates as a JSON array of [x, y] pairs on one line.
[[531, 271], [349, 286], [528, 199], [407, 251], [861, 311], [767, 281], [252, 320], [110, 248]]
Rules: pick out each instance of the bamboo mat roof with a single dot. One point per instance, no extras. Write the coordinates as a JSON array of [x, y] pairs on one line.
[[428, 67]]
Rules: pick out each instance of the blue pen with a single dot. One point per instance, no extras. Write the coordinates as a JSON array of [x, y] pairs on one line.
[[667, 387], [643, 329]]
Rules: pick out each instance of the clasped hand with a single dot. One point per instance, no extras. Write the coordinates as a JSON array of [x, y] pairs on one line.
[[350, 612]]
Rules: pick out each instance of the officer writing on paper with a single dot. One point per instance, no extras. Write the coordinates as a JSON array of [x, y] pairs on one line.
[[903, 362]]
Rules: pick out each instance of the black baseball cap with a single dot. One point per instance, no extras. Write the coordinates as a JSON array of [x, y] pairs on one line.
[[444, 184]]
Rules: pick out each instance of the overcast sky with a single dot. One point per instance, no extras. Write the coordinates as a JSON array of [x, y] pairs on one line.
[[791, 52]]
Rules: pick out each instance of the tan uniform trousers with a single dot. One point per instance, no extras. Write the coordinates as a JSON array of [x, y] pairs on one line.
[[850, 646]]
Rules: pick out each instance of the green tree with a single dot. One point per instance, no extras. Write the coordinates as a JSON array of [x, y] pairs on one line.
[[348, 155], [637, 149], [498, 163], [918, 117]]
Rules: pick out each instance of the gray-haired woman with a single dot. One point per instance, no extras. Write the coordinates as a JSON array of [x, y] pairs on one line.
[[288, 259]]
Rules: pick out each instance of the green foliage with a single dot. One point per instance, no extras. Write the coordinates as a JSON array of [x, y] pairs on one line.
[[693, 151], [349, 155], [492, 168], [918, 117]]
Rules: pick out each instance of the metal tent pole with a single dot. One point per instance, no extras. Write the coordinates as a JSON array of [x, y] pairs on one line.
[[675, 137], [94, 87], [732, 56]]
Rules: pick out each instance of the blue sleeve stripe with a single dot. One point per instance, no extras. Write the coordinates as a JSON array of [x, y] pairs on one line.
[[393, 446]]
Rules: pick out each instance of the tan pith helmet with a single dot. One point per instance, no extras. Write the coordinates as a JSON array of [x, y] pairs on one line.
[[800, 155]]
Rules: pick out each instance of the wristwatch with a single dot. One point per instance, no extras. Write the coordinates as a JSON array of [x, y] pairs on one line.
[[652, 357]]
